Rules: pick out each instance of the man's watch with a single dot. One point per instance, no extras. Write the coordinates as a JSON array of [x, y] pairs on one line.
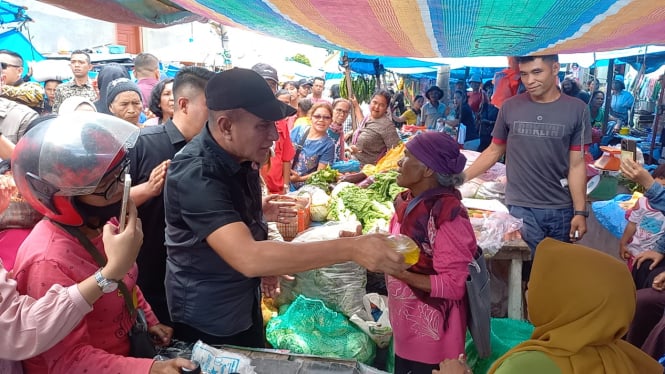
[[106, 285], [584, 213]]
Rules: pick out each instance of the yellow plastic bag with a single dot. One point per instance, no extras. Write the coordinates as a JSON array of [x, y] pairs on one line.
[[387, 162]]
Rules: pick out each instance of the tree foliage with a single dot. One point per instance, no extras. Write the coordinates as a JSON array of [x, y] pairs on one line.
[[301, 58]]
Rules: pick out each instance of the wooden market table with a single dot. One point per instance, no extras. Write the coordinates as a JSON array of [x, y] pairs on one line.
[[515, 251]]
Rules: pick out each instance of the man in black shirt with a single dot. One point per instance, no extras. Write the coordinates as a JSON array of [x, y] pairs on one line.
[[215, 225], [150, 157]]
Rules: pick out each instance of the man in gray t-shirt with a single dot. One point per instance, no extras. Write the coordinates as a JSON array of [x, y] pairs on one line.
[[543, 135]]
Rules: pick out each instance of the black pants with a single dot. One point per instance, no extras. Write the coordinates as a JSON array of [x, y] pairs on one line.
[[643, 277], [252, 337], [485, 136], [404, 366]]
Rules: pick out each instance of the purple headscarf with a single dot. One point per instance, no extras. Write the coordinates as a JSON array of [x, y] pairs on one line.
[[438, 151]]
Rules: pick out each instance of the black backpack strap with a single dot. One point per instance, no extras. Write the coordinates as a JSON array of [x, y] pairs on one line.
[[101, 261]]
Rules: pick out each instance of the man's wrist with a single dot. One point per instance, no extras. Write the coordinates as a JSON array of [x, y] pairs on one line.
[[584, 213]]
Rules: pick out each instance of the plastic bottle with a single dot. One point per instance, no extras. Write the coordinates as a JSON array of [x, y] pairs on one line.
[[407, 247]]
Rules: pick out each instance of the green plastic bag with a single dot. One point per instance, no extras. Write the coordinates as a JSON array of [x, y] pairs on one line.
[[309, 327], [506, 333]]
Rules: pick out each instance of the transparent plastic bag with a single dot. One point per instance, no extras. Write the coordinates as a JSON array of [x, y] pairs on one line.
[[495, 229], [341, 286]]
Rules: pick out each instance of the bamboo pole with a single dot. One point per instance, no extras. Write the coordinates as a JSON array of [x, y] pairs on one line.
[[349, 87], [657, 118]]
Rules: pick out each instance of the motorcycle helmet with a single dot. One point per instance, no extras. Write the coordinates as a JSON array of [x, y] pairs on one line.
[[67, 156]]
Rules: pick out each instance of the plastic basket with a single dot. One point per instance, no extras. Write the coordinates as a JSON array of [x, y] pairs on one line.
[[116, 49], [290, 230]]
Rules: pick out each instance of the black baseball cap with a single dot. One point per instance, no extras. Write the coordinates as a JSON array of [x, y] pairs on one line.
[[239, 88], [266, 71], [304, 82]]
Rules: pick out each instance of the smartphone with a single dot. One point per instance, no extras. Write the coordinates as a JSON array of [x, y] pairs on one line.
[[125, 201], [628, 149]]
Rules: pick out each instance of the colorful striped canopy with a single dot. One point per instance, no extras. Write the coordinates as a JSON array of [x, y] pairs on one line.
[[426, 28]]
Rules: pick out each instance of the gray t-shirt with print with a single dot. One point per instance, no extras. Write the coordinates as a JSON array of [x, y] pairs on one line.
[[538, 137]]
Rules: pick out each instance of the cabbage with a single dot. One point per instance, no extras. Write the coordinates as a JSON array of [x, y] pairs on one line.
[[318, 209]]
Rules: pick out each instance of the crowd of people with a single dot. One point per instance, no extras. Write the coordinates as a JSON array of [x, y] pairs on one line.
[[209, 156]]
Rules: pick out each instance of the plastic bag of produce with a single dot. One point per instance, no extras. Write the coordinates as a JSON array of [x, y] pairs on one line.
[[350, 166], [309, 327], [213, 360], [496, 227], [611, 214], [378, 327], [341, 286]]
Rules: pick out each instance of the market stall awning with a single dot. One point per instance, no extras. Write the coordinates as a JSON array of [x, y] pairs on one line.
[[414, 28]]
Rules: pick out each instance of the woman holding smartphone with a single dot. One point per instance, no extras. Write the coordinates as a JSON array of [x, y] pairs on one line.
[[75, 179]]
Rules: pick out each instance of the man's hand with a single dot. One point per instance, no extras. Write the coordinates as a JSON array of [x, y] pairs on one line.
[[350, 234], [659, 282], [280, 208], [171, 366], [270, 286], [656, 257], [161, 334], [375, 253], [122, 247], [155, 183], [577, 228]]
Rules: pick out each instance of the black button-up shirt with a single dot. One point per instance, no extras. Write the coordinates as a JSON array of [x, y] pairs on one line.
[[154, 145], [206, 188]]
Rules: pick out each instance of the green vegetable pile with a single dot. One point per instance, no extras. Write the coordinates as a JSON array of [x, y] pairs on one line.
[[372, 207], [385, 186], [323, 178]]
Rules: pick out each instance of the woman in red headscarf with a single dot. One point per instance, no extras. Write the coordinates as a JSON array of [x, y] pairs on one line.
[[427, 302]]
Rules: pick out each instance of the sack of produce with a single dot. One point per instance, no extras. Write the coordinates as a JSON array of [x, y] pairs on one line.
[[309, 327], [341, 286]]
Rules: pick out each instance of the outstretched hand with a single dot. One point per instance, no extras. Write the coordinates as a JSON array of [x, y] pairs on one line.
[[376, 253]]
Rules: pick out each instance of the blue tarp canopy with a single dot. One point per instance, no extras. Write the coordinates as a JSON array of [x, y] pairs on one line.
[[15, 41], [10, 13], [367, 64], [653, 61], [13, 17]]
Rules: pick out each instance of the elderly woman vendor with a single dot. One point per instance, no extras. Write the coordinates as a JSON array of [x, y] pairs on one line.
[[427, 302]]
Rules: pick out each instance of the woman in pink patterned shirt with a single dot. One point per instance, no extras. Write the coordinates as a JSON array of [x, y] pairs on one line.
[[427, 302]]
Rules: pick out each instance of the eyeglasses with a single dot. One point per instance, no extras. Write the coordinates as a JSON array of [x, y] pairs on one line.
[[6, 65], [341, 111], [319, 117], [110, 190]]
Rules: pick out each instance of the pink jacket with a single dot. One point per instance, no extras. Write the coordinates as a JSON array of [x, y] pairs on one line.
[[99, 344], [419, 333], [55, 315]]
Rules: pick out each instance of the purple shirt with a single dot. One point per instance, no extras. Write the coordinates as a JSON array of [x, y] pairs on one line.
[[146, 85]]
